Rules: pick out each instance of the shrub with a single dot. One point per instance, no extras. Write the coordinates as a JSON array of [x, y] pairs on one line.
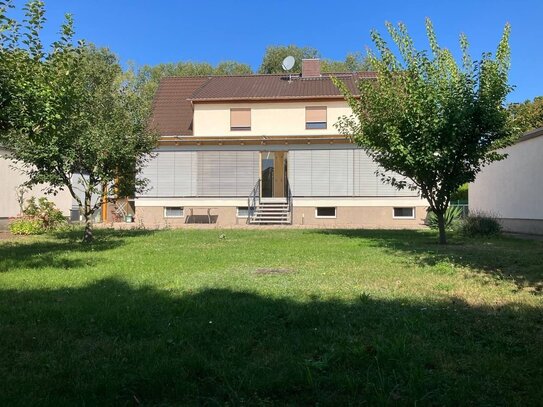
[[39, 216], [480, 224], [461, 194], [26, 226], [452, 215]]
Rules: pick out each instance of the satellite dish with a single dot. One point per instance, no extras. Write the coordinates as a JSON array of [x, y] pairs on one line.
[[288, 63]]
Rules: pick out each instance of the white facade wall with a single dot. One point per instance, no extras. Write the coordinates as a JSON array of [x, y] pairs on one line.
[[267, 119], [11, 178], [512, 188]]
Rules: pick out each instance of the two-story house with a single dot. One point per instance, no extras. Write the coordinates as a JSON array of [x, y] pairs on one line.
[[263, 149]]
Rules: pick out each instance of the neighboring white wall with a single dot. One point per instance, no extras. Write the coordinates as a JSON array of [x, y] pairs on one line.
[[11, 178], [512, 188], [267, 119]]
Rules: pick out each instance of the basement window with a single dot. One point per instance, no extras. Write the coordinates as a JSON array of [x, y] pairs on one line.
[[173, 212], [403, 213], [325, 212], [242, 212]]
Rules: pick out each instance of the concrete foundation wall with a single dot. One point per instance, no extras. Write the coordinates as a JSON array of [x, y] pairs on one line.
[[529, 226], [346, 216]]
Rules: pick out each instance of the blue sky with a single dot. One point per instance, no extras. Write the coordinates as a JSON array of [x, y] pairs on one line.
[[151, 32]]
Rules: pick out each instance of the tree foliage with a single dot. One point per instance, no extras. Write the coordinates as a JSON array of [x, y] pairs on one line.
[[147, 77], [430, 119], [73, 120], [274, 56], [528, 115]]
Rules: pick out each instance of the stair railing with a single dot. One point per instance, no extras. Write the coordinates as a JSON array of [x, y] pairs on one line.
[[253, 201], [289, 200]]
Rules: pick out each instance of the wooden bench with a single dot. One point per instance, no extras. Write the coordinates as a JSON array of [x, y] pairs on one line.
[[207, 211]]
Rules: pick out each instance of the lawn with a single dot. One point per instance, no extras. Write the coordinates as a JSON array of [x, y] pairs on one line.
[[270, 317]]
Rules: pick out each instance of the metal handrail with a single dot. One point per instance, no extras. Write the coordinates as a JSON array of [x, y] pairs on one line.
[[289, 199], [253, 200]]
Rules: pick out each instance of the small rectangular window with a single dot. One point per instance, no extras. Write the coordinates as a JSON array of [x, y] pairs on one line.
[[240, 119], [315, 117], [404, 213], [243, 212], [173, 212], [325, 212]]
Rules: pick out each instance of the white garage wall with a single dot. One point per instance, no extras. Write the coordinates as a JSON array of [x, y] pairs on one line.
[[512, 188], [11, 178]]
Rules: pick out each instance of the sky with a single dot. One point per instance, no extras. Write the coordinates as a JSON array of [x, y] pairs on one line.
[[152, 32]]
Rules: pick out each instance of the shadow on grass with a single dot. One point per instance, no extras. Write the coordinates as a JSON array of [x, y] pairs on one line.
[[499, 257], [48, 251], [109, 343]]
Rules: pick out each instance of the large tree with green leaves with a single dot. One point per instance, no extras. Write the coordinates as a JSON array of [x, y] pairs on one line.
[[275, 54], [73, 122], [434, 121], [147, 77], [527, 115]]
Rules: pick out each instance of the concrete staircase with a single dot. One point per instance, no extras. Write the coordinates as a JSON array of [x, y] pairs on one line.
[[272, 212]]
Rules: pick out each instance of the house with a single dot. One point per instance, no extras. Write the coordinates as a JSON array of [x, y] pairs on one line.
[[512, 189], [11, 178], [263, 149]]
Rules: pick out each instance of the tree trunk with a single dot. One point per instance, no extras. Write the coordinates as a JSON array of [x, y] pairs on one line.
[[87, 235], [441, 226]]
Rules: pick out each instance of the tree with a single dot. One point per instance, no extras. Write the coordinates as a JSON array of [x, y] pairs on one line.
[[528, 115], [147, 77], [354, 62], [431, 120], [274, 55], [79, 120]]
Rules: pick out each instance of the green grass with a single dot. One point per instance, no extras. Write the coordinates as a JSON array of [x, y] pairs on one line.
[[356, 317]]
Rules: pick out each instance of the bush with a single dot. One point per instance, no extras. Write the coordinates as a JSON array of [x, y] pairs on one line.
[[461, 194], [39, 216], [452, 215], [480, 224], [26, 226]]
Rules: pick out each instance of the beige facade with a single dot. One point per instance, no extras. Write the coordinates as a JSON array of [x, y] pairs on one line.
[[267, 118], [11, 179], [349, 213], [512, 189]]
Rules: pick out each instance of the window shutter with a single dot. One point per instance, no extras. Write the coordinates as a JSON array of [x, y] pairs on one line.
[[315, 114], [240, 119]]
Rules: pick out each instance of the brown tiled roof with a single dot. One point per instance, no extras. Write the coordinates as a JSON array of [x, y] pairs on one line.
[[172, 111], [270, 87], [172, 106]]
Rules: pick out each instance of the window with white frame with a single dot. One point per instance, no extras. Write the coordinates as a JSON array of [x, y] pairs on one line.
[[403, 213], [173, 212], [325, 212]]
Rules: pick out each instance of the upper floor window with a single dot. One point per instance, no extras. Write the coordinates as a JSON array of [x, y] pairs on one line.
[[240, 119], [315, 117]]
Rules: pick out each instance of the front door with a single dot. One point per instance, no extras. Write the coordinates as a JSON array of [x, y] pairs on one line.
[[273, 165]]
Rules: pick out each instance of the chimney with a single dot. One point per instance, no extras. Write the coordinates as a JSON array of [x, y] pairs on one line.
[[311, 68]]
